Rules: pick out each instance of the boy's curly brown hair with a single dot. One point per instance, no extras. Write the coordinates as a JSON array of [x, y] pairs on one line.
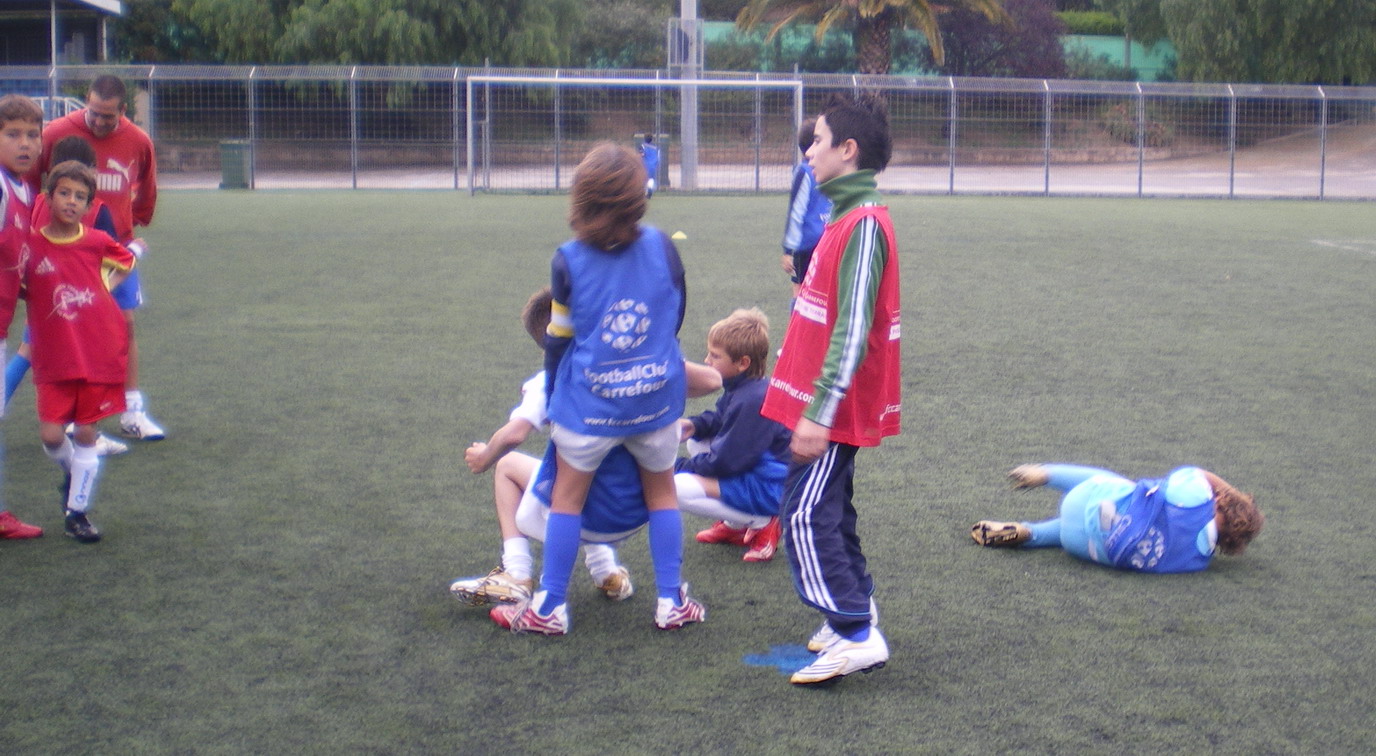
[[608, 198], [1240, 520]]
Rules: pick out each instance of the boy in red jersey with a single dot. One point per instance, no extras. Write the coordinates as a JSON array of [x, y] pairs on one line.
[[21, 128], [99, 216], [80, 341], [127, 181], [837, 384]]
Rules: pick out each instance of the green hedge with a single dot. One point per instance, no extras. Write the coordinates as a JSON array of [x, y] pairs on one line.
[[1091, 22]]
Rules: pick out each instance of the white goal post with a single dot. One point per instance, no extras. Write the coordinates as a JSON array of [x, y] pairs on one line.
[[523, 131]]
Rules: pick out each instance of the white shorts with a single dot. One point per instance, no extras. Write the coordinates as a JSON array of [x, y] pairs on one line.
[[655, 450]]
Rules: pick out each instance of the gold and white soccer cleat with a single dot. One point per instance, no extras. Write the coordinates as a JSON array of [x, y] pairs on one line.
[[994, 533], [497, 586]]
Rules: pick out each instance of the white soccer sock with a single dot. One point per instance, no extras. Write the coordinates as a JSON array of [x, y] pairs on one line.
[[85, 470], [516, 557], [600, 559], [133, 401], [695, 501], [62, 455]]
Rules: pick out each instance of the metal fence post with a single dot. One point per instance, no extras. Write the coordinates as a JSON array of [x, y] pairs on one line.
[[1141, 136], [659, 126], [486, 127], [1046, 138], [252, 129], [353, 125], [454, 123], [148, 118], [1232, 140], [468, 132], [1323, 138], [951, 122], [558, 127], [759, 133], [797, 109]]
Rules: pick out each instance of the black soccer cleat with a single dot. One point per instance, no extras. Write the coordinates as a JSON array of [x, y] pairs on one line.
[[78, 526]]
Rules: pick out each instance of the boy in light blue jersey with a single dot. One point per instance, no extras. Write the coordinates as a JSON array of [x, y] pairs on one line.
[[1167, 525]]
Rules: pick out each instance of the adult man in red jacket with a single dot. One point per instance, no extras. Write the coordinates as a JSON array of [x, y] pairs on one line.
[[127, 181]]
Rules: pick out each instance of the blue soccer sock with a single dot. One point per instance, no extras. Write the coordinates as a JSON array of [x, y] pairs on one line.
[[562, 534], [858, 632], [666, 549], [15, 371]]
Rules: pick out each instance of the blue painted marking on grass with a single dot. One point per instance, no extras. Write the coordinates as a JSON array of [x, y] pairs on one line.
[[788, 659]]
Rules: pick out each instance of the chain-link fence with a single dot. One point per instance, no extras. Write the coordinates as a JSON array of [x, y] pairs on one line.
[[487, 129]]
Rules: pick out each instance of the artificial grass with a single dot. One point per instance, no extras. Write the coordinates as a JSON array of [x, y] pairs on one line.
[[273, 575]]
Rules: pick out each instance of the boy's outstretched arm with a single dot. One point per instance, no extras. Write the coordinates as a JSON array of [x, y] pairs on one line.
[[702, 380], [480, 457]]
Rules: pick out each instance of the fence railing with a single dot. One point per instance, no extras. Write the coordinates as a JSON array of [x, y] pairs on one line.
[[525, 129]]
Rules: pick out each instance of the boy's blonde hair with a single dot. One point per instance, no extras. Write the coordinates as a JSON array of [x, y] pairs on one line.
[[76, 172], [743, 333], [535, 315], [17, 107], [608, 197]]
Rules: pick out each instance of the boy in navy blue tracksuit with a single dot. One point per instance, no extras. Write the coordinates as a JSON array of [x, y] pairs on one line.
[[740, 459]]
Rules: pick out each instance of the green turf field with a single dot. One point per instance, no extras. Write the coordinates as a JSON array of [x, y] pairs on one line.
[[273, 576]]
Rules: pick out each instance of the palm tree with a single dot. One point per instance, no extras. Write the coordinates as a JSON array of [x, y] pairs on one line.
[[874, 21]]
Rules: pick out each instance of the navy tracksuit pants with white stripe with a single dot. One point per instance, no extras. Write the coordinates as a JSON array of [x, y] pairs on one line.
[[829, 570]]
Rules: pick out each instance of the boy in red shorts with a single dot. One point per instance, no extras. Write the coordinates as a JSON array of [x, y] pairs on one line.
[[80, 341]]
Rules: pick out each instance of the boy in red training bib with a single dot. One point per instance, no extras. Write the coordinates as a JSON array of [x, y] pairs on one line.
[[836, 386], [80, 340]]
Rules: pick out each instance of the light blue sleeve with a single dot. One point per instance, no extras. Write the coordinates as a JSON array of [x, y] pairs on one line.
[[1187, 487], [1065, 477]]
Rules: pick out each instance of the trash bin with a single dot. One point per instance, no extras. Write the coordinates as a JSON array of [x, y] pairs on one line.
[[236, 165]]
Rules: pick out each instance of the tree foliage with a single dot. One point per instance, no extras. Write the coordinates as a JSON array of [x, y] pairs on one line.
[[621, 34], [1082, 64], [1268, 41], [749, 51], [872, 22], [149, 32], [1142, 19], [1091, 22], [1029, 47], [719, 10], [385, 32]]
